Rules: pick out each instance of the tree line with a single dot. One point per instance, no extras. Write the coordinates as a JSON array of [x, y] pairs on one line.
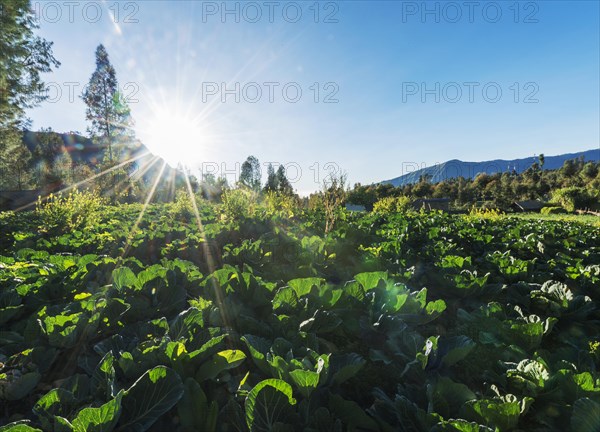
[[575, 185]]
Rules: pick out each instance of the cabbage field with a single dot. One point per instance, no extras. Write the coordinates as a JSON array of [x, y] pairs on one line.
[[397, 322]]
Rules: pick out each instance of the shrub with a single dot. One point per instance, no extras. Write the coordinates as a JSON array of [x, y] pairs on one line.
[[573, 198], [553, 210], [75, 211], [315, 202], [181, 208], [392, 205], [280, 204], [485, 213], [238, 203]]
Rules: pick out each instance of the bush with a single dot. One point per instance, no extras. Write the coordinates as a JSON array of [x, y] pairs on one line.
[[393, 205], [485, 213], [238, 203], [182, 209], [553, 210], [574, 198], [75, 211], [315, 202], [281, 205]]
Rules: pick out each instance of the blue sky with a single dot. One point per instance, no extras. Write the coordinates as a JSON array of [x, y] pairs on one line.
[[385, 63]]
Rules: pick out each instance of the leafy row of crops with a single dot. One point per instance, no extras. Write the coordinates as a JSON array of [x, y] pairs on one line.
[[411, 322]]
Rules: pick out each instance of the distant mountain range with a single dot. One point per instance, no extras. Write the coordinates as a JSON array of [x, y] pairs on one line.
[[456, 168]]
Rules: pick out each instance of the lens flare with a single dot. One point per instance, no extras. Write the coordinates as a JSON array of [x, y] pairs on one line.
[[175, 136]]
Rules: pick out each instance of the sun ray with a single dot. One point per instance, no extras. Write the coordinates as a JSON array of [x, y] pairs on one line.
[[143, 170], [210, 263], [110, 191], [87, 180], [151, 192]]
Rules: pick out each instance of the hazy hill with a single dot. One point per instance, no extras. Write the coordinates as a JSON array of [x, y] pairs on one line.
[[457, 168], [80, 148], [83, 150]]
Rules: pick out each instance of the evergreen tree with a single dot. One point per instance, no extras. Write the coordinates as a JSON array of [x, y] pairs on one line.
[[111, 125], [123, 132], [24, 56], [250, 174], [272, 184], [15, 159], [107, 110], [283, 184], [569, 168], [48, 145]]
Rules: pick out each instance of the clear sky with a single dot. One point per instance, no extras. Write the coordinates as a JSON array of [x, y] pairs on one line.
[[366, 87]]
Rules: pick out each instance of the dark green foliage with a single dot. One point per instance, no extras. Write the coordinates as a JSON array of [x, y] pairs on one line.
[[99, 96], [283, 184], [574, 186], [272, 183], [24, 57], [277, 181], [250, 174]]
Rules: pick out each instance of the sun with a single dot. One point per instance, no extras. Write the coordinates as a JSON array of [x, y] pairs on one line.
[[177, 137]]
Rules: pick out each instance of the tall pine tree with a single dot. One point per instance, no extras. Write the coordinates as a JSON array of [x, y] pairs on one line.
[[283, 184], [23, 58], [271, 185], [111, 126], [107, 110]]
